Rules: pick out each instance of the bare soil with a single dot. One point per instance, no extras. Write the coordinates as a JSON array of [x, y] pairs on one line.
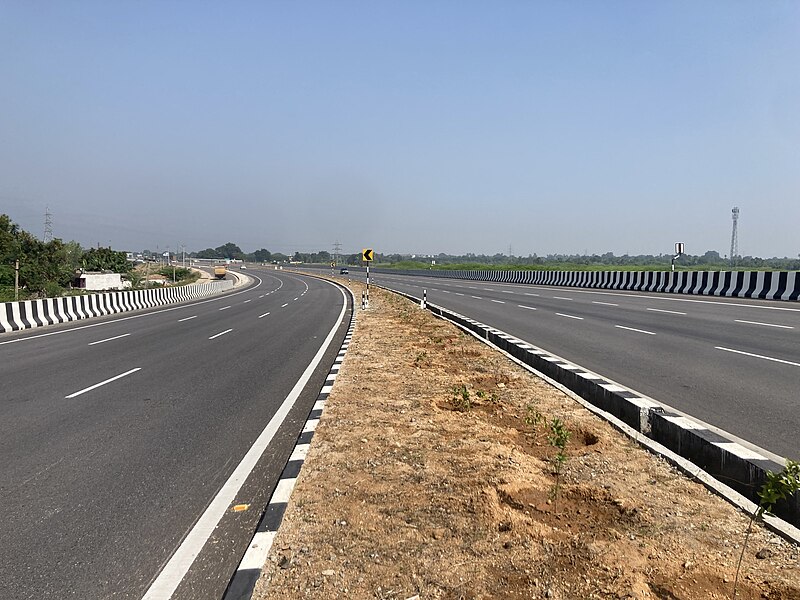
[[414, 489]]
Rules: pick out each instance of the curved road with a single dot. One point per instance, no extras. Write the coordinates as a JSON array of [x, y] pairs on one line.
[[117, 433]]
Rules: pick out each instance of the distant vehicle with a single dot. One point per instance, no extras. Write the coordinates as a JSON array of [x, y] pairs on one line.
[[220, 272], [344, 272], [243, 266]]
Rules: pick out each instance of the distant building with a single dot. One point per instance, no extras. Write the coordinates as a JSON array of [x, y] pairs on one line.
[[100, 281]]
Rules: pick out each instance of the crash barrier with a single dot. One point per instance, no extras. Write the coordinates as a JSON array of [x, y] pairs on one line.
[[27, 314], [769, 285], [737, 466]]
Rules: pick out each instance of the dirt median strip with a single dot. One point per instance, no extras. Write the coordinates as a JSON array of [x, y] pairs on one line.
[[433, 473]]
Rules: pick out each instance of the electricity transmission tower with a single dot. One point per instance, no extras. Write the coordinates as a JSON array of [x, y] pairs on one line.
[[337, 248], [48, 225], [734, 236]]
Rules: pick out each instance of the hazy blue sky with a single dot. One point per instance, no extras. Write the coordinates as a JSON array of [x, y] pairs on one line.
[[424, 127]]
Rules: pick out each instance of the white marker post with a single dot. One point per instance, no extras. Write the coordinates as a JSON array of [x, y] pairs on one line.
[[679, 246]]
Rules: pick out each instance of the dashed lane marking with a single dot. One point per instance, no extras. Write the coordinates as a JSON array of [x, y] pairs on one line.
[[764, 324], [634, 329], [116, 337], [777, 360], [216, 335], [102, 383]]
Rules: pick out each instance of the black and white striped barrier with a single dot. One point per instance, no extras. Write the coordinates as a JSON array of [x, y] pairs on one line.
[[768, 285], [251, 565], [424, 304], [15, 316], [741, 468]]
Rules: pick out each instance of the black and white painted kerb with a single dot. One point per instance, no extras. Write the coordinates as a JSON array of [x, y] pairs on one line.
[[249, 570], [15, 316], [719, 454], [768, 285]]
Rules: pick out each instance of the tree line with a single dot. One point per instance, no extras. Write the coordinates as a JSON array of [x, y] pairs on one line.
[[47, 269]]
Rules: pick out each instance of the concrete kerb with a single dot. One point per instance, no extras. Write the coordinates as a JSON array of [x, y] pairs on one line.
[[724, 464]]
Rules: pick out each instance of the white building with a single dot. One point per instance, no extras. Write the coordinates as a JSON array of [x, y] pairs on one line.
[[100, 281]]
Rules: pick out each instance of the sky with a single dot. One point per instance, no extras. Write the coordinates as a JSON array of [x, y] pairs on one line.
[[529, 127]]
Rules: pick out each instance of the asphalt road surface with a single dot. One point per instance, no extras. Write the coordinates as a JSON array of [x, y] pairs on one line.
[[117, 433], [733, 363]]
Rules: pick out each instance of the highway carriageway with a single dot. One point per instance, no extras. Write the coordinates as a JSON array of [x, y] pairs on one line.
[[118, 434]]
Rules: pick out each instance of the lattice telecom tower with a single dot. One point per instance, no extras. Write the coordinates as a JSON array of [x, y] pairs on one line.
[[734, 236], [48, 225]]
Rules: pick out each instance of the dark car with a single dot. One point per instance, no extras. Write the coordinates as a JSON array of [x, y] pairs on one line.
[[344, 272]]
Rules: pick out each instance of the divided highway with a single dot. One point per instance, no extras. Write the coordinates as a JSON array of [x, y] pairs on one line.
[[117, 433], [732, 363]]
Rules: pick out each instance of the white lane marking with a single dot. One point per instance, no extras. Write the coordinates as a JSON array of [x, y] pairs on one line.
[[570, 316], [175, 570], [561, 298], [633, 329], [477, 297], [458, 293], [764, 324], [285, 305], [187, 319], [116, 337], [225, 308], [262, 316], [97, 385], [777, 360], [220, 333], [672, 312], [261, 296], [498, 301], [604, 303], [508, 291], [446, 292], [528, 307], [246, 301], [527, 294], [294, 299], [488, 290]]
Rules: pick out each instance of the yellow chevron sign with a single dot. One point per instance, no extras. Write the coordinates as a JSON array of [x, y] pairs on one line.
[[367, 254]]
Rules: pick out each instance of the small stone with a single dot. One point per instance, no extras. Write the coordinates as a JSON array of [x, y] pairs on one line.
[[764, 553], [329, 573]]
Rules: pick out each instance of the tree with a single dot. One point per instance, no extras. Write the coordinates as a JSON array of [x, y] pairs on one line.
[[105, 259]]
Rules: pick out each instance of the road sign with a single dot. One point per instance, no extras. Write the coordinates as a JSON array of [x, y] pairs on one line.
[[367, 254], [333, 264], [679, 248]]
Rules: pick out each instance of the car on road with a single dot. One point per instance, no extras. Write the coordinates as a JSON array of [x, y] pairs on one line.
[[344, 272]]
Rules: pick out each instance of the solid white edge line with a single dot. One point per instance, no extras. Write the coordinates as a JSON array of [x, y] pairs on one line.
[[116, 337], [176, 568], [220, 333], [97, 385], [633, 329], [764, 324], [777, 360]]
